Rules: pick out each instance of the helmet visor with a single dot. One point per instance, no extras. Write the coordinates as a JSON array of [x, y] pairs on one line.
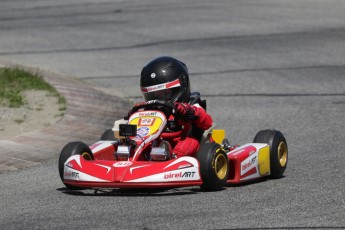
[[164, 95], [165, 92]]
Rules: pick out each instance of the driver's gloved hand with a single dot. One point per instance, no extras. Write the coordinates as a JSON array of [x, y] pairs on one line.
[[130, 112], [184, 111], [140, 104]]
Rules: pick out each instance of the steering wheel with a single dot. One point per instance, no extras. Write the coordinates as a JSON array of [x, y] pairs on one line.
[[166, 107]]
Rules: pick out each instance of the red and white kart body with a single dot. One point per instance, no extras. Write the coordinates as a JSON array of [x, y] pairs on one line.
[[140, 161], [132, 174]]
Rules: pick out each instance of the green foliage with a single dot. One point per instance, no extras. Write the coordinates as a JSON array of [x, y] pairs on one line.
[[13, 81]]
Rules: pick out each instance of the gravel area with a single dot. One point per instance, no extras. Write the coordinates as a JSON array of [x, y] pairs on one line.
[[40, 111]]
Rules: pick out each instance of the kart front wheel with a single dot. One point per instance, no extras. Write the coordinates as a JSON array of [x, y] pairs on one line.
[[214, 166], [71, 149], [278, 150]]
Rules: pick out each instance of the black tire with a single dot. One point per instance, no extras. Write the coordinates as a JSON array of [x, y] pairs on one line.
[[214, 166], [71, 149], [108, 135], [278, 150]]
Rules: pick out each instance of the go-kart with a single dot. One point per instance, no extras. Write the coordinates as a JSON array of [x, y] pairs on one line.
[[137, 155]]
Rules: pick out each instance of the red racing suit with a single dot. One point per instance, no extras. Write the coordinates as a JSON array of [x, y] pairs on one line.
[[188, 143]]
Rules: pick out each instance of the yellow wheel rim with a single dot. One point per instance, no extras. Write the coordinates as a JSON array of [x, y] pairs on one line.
[[221, 166], [282, 153], [86, 156]]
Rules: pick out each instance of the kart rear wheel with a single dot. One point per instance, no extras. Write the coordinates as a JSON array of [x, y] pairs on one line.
[[108, 135], [71, 149], [278, 150], [214, 166]]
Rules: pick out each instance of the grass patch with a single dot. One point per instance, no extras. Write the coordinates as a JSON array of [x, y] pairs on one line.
[[13, 81]]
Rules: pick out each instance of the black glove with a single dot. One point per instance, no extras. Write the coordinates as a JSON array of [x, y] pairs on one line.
[[130, 112], [184, 111]]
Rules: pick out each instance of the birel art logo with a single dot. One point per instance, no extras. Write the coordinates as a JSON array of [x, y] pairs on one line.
[[178, 175], [71, 175], [155, 88], [148, 114], [249, 163]]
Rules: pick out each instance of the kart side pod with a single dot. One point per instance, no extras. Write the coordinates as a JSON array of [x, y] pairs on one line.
[[248, 162]]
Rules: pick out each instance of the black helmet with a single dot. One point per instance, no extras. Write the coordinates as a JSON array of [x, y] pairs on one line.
[[165, 78]]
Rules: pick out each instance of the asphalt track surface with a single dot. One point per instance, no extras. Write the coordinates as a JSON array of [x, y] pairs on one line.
[[260, 64]]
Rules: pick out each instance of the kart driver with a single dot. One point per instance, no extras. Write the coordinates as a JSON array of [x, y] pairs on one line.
[[167, 79]]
